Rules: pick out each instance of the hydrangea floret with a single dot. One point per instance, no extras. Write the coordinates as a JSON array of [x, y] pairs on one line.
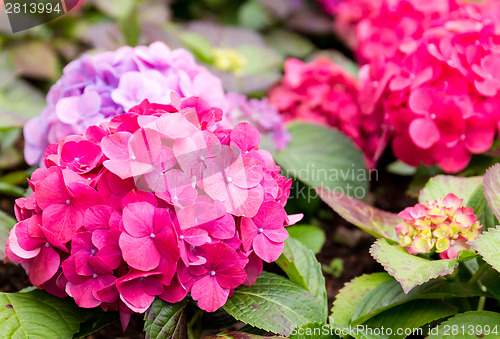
[[157, 202], [322, 92], [95, 88], [440, 95], [442, 226]]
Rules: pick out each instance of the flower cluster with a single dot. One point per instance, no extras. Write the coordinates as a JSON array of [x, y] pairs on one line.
[[97, 87], [155, 202], [259, 113], [395, 25], [348, 14], [322, 92], [441, 94], [93, 89], [443, 226]]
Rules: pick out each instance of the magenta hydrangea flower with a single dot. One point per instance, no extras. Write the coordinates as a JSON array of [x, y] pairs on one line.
[[157, 202], [95, 88], [348, 14], [443, 226], [441, 95], [322, 92]]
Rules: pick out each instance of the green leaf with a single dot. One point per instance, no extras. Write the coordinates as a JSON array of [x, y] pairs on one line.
[[166, 320], [478, 202], [321, 156], [492, 188], [351, 294], [198, 45], [409, 270], [491, 280], [468, 325], [253, 15], [410, 316], [260, 59], [440, 185], [6, 224], [301, 266], [19, 102], [37, 314], [35, 59], [239, 335], [379, 223], [14, 191], [116, 9], [390, 294], [488, 246], [289, 44], [217, 320], [311, 236], [400, 168], [274, 304], [314, 330], [97, 319]]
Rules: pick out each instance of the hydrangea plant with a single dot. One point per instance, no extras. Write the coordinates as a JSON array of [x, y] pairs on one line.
[[154, 202], [437, 254]]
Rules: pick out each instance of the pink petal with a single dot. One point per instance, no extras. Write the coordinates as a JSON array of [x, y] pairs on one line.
[[248, 231], [209, 294], [138, 219], [230, 276], [245, 136], [174, 292], [60, 222], [44, 266], [267, 250], [139, 253], [424, 132], [82, 293], [271, 215]]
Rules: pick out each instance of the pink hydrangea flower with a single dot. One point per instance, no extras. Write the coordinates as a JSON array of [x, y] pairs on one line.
[[441, 95], [322, 92], [443, 226], [153, 203]]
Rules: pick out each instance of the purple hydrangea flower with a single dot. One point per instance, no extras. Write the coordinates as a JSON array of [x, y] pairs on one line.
[[259, 113], [95, 88]]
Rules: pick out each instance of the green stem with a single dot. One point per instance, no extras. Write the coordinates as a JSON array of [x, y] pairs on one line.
[[478, 273], [480, 303]]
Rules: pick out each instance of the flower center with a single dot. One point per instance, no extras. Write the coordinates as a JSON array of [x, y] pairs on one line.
[[152, 236], [261, 230], [229, 179], [181, 237], [94, 275], [47, 244], [212, 273], [77, 159], [133, 158], [92, 251], [68, 202], [202, 158]]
